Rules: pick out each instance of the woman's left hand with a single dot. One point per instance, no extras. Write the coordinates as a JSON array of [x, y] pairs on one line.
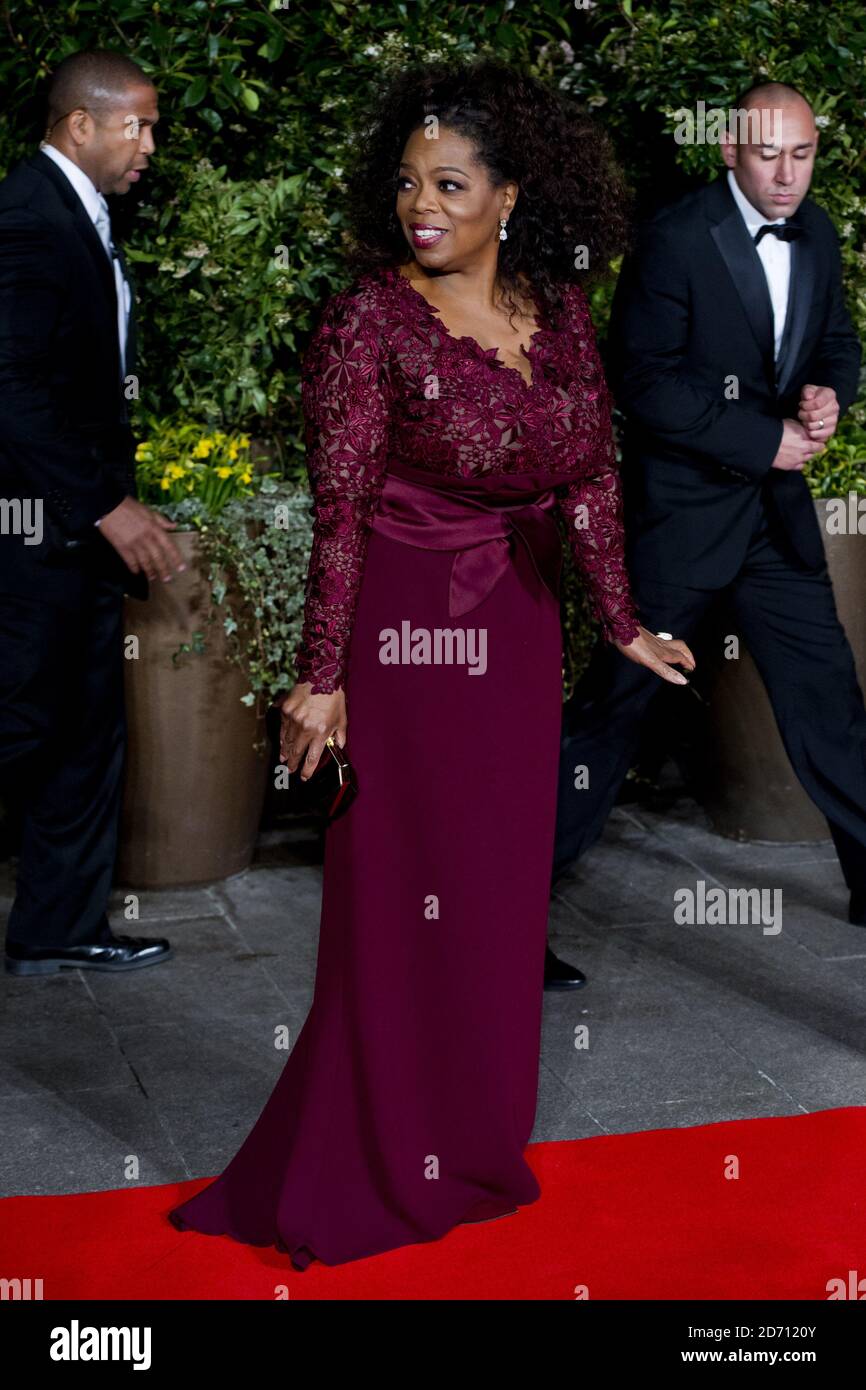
[[659, 654]]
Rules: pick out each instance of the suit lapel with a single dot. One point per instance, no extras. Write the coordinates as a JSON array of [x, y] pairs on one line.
[[90, 237], [83, 224], [731, 236], [800, 291]]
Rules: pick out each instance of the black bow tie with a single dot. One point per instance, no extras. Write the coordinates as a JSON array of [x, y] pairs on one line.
[[782, 230]]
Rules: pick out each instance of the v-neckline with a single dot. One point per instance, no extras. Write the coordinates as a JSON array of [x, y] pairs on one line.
[[490, 355]]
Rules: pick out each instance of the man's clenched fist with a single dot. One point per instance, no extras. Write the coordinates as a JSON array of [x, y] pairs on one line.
[[819, 412]]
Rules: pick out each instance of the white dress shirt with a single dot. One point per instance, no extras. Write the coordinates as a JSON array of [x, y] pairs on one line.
[[775, 257], [97, 210]]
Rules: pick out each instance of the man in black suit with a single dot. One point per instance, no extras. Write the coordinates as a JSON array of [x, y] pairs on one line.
[[74, 536], [732, 357]]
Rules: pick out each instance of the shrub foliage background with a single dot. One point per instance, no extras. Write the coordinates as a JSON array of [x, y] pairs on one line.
[[235, 233]]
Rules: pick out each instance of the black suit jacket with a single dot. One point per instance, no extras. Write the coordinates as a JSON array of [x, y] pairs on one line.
[[691, 311], [65, 436]]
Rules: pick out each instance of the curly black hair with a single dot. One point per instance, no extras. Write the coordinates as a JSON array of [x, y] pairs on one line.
[[571, 190]]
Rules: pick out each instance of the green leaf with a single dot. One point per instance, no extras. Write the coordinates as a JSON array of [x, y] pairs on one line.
[[276, 44], [211, 117], [195, 92]]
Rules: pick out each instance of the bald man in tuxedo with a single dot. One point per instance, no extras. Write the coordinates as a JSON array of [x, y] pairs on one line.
[[739, 282]]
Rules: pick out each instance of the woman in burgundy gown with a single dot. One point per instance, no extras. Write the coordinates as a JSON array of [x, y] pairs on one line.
[[432, 648]]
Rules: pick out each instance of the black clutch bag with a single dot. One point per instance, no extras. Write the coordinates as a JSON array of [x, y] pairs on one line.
[[329, 791]]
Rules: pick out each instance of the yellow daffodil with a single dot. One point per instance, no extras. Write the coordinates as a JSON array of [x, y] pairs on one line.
[[224, 472]]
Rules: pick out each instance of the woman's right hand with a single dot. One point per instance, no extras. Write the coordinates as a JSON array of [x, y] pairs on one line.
[[308, 720]]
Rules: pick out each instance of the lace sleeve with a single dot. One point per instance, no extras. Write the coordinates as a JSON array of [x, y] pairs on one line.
[[592, 504], [346, 401]]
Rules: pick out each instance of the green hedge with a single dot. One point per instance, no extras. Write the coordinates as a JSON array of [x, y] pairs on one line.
[[257, 106], [235, 233]]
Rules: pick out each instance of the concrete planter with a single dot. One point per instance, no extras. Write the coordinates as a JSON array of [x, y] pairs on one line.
[[751, 792], [194, 785]]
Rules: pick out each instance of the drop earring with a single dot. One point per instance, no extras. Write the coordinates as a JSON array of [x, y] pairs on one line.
[[503, 235]]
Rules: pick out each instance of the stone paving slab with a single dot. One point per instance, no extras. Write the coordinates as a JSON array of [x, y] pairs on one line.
[[158, 1075]]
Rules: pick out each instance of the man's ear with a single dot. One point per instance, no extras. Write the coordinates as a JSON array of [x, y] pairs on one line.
[[79, 126], [728, 150]]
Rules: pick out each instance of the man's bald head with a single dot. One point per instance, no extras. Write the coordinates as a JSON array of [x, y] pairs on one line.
[[770, 95], [95, 80]]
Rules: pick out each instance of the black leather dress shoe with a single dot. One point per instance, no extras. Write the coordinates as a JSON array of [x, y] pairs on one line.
[[558, 974], [119, 953], [857, 910]]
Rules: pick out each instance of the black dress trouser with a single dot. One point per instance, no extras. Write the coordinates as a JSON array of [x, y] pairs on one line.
[[787, 617], [62, 745]]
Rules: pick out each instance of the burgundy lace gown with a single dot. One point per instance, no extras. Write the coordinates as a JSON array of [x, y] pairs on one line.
[[409, 1097]]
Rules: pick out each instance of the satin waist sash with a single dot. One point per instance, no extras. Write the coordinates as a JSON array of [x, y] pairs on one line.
[[481, 519]]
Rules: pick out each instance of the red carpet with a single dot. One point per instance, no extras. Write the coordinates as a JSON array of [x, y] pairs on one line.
[[648, 1215]]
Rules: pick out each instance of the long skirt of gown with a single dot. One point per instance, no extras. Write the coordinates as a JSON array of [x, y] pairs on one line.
[[409, 1097]]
